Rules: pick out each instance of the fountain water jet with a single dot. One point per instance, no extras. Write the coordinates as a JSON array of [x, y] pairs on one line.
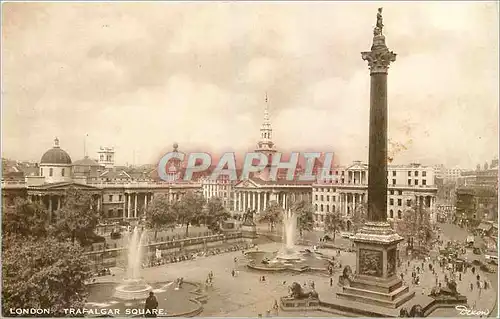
[[133, 286], [289, 252], [289, 257]]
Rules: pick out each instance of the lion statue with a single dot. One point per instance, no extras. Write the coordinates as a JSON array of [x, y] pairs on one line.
[[346, 277], [417, 311], [298, 293]]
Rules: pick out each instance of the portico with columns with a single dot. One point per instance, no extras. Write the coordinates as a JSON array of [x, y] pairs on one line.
[[52, 195], [257, 194]]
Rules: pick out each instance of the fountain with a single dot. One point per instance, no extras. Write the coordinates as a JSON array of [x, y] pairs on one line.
[[133, 286], [288, 257], [289, 253], [127, 299]]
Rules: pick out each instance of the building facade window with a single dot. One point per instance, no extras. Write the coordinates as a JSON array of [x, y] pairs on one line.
[[316, 196], [416, 182], [41, 171], [62, 172], [409, 181], [393, 173], [416, 173], [400, 202], [321, 207], [391, 201], [408, 202], [424, 182], [391, 214], [393, 182], [424, 174], [409, 173], [400, 192], [51, 171], [110, 198], [400, 215]]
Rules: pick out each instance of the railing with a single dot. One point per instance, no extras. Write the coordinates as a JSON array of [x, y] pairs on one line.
[[13, 184], [141, 184]]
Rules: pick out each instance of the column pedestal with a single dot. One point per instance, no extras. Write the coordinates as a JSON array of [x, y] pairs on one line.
[[376, 281]]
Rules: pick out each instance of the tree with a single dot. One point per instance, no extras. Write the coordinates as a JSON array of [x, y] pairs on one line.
[[359, 216], [25, 219], [77, 218], [160, 214], [272, 215], [189, 210], [304, 213], [215, 214], [415, 227], [43, 273], [332, 223]]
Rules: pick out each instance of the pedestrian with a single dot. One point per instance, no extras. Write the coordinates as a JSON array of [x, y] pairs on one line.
[[151, 306], [402, 276], [471, 287], [459, 276], [331, 281], [233, 272], [478, 277]]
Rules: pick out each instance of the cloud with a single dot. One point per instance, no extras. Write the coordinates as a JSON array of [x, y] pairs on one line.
[[140, 76]]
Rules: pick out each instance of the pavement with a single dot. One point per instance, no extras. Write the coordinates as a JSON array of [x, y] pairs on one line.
[[246, 296]]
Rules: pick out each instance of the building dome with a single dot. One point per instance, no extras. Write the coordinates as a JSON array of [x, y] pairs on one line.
[[56, 155], [86, 161]]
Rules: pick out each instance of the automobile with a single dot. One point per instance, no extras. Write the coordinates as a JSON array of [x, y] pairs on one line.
[[346, 234], [487, 268], [492, 259]]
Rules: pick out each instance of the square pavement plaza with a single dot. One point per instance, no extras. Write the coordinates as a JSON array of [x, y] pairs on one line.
[[246, 296]]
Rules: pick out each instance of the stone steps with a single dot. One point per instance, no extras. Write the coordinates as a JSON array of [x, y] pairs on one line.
[[393, 295], [377, 301]]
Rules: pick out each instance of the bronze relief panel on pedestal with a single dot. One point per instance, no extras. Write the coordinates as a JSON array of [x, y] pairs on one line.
[[391, 262], [370, 262]]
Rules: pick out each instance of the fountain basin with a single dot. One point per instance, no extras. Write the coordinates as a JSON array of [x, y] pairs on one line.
[[299, 261], [185, 302], [132, 289]]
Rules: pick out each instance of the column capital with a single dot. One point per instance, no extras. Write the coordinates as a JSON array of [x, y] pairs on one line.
[[379, 58]]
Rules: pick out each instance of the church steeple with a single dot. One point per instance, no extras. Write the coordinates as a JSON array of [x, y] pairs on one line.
[[265, 144]]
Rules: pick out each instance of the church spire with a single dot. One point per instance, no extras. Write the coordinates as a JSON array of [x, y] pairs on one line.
[[265, 144]]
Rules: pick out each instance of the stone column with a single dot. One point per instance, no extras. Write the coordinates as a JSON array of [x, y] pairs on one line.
[[124, 205], [376, 242], [265, 201], [239, 202], [284, 201], [145, 201], [50, 203], [253, 200], [234, 203], [244, 197], [58, 202], [135, 204], [129, 205], [258, 201], [378, 60]]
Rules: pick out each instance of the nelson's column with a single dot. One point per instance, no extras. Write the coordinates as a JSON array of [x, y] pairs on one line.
[[376, 281]]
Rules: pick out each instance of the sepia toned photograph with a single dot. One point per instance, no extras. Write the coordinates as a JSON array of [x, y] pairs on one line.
[[249, 159]]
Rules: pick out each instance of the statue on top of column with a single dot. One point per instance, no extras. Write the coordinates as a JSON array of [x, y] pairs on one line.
[[380, 24]]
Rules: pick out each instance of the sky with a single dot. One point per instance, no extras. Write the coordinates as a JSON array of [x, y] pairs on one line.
[[141, 76]]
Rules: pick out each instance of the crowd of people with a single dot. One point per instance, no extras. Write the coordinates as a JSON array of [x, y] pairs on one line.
[[191, 255]]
